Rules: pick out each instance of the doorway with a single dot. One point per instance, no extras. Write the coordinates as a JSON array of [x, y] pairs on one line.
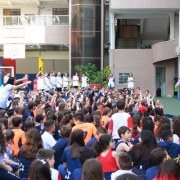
[[161, 81]]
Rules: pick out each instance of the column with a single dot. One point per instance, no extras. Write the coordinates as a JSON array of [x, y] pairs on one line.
[[111, 38], [85, 27], [1, 75], [171, 26]]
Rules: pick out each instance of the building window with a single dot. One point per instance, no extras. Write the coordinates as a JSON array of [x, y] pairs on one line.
[[123, 78], [60, 11], [11, 12]]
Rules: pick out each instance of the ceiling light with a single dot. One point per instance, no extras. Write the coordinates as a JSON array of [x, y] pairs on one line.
[[37, 1], [9, 2]]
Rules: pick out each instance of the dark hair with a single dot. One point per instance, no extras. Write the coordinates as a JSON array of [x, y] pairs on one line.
[[62, 106], [165, 135], [96, 113], [101, 130], [31, 105], [78, 116], [45, 154], [32, 144], [59, 116], [97, 122], [2, 113], [4, 120], [2, 141], [176, 125], [122, 130], [127, 177], [11, 80], [144, 148], [39, 169], [92, 170], [9, 135], [136, 122], [106, 111], [65, 131], [120, 104], [66, 119], [90, 109], [102, 144], [89, 119], [157, 118], [159, 111], [86, 153], [39, 118], [76, 141], [157, 156], [48, 124], [52, 117], [125, 161], [85, 110], [10, 112], [148, 125], [169, 169], [16, 121], [28, 124]]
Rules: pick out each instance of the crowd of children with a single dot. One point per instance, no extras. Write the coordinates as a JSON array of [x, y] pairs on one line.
[[87, 134]]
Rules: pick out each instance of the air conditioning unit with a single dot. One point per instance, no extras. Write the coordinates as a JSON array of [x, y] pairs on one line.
[[178, 51], [106, 2]]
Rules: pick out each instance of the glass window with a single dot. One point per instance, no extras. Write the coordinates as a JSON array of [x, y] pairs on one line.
[[60, 11], [123, 78]]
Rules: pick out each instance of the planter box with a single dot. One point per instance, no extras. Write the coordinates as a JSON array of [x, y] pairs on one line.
[[98, 86]]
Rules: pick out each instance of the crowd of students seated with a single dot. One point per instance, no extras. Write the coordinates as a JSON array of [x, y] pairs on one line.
[[88, 134]]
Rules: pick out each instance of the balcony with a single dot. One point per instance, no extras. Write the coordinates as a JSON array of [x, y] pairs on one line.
[[38, 29], [147, 6], [34, 20]]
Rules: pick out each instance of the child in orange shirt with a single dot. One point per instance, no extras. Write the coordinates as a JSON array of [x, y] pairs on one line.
[[19, 138], [105, 117], [88, 128]]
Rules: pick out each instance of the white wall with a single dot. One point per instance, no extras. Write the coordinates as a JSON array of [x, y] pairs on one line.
[[29, 10]]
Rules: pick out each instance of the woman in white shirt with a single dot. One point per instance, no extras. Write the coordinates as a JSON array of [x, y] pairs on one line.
[[65, 81], [40, 82], [131, 81], [75, 81], [47, 85], [84, 80], [6, 89], [111, 81], [59, 82]]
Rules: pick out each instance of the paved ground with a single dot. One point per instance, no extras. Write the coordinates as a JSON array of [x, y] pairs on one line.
[[171, 105]]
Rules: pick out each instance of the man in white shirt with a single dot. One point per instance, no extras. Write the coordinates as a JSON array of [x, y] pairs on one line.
[[125, 162], [47, 138]]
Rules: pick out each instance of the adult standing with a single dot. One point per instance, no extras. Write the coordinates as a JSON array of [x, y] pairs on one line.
[[6, 89], [84, 80], [51, 89], [65, 81], [40, 81], [59, 82], [131, 81], [111, 81], [46, 83], [75, 81]]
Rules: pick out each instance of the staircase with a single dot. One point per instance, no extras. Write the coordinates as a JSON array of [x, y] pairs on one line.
[[126, 43]]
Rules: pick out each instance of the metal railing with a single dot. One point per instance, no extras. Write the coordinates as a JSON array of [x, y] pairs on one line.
[[46, 20]]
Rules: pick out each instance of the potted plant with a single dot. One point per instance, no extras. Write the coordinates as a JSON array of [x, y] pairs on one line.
[[97, 78]]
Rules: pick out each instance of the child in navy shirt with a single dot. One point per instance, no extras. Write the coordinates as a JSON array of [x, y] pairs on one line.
[[84, 154], [61, 144], [157, 156], [172, 149]]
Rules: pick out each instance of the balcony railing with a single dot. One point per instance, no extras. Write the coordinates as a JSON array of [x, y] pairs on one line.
[[49, 20]]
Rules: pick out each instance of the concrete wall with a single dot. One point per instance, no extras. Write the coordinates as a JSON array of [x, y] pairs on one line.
[[164, 50], [30, 65], [170, 72], [139, 62], [123, 4], [57, 34]]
